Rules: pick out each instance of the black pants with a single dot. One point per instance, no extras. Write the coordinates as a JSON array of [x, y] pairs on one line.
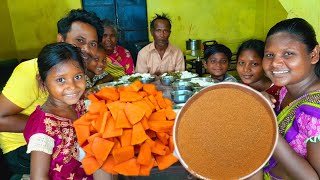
[[18, 161]]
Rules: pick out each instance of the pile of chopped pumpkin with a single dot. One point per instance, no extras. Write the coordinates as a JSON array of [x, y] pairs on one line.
[[127, 130]]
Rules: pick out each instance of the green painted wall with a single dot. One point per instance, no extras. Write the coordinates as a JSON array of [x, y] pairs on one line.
[[34, 23], [228, 22], [7, 40], [309, 10], [28, 25]]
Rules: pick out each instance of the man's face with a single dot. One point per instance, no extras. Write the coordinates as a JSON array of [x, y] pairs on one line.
[[84, 36], [161, 33]]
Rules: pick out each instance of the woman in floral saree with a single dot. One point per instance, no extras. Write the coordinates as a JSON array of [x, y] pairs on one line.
[[291, 60]]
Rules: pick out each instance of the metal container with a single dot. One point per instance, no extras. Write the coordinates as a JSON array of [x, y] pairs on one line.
[[181, 96], [181, 85], [193, 44], [147, 80], [167, 80]]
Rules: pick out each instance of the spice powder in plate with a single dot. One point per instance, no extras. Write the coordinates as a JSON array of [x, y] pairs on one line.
[[225, 133]]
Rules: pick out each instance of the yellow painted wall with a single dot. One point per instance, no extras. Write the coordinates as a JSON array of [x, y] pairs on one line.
[[34, 23], [309, 10], [7, 40], [229, 22]]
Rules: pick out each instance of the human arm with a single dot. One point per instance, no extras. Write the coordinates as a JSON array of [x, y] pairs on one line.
[[20, 97], [105, 79], [40, 165], [271, 100], [295, 166], [10, 119], [180, 65], [141, 66]]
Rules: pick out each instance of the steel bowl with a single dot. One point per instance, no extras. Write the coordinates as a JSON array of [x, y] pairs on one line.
[[181, 85], [167, 80], [147, 80], [181, 96]]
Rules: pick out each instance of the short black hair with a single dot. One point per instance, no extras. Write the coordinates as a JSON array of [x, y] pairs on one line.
[[255, 45], [81, 15], [217, 48], [163, 16], [55, 53], [300, 29]]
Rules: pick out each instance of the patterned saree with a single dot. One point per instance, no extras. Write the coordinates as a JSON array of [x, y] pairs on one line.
[[298, 123]]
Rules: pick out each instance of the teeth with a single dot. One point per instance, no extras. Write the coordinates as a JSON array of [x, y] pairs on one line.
[[279, 72], [99, 69]]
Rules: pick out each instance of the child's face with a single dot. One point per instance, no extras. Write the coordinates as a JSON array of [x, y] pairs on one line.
[[65, 83], [249, 66], [286, 60], [97, 64], [217, 65]]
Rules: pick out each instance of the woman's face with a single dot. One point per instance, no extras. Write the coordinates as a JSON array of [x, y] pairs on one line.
[[249, 66], [109, 39], [286, 60]]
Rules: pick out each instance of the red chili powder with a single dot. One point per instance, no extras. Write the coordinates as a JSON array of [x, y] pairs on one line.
[[225, 133]]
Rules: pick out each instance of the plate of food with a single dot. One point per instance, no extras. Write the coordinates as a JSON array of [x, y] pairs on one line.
[[145, 78], [180, 74]]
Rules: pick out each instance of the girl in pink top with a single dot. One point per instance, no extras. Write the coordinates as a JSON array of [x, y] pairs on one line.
[[49, 131]]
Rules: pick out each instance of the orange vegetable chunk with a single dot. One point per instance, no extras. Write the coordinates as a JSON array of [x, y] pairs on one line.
[[144, 105], [165, 161], [115, 107], [136, 85], [161, 102], [145, 169], [109, 164], [108, 93], [151, 89], [154, 102], [134, 113], [101, 148], [82, 132], [161, 126], [90, 164], [92, 98], [170, 114], [126, 137], [130, 96], [96, 107], [144, 122], [122, 120], [138, 134], [123, 154], [111, 130], [128, 168], [163, 137], [158, 115], [144, 156]]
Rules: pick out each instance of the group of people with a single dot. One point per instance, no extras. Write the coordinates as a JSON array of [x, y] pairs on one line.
[[44, 95]]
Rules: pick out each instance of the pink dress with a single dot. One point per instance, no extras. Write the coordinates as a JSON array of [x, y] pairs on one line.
[[56, 136]]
